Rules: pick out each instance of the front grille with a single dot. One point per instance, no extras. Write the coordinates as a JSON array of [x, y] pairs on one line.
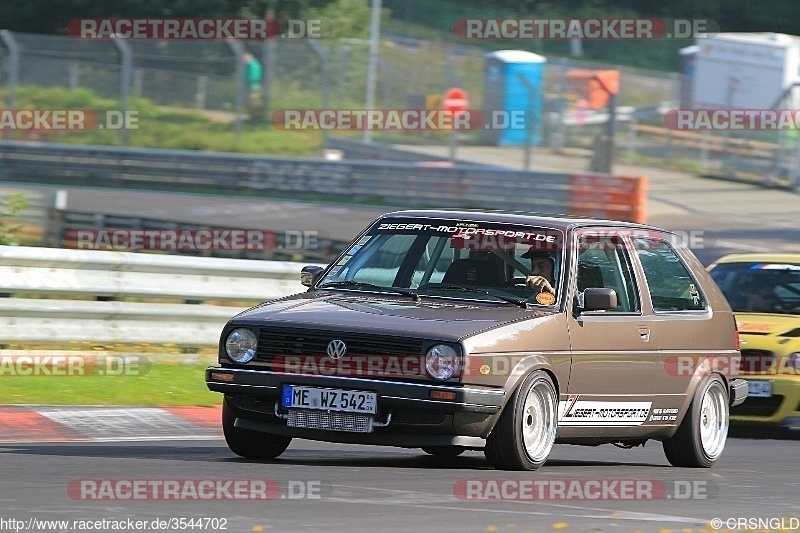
[[758, 406], [274, 342], [331, 421]]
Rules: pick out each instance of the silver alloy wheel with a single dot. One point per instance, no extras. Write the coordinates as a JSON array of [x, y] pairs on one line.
[[714, 420], [539, 422]]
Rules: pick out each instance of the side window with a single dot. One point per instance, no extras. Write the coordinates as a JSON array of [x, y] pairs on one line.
[[672, 287], [603, 262]]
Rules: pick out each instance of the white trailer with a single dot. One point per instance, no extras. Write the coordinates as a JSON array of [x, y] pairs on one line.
[[747, 71]]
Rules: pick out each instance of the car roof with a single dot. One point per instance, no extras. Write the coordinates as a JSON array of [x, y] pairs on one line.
[[760, 257], [562, 222]]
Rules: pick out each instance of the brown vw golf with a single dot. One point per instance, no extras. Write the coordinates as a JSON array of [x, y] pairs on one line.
[[457, 330]]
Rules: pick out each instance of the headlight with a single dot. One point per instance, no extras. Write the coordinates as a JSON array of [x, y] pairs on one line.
[[441, 362], [241, 345]]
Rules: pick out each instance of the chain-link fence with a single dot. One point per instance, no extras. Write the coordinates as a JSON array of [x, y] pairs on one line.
[[297, 72], [413, 73]]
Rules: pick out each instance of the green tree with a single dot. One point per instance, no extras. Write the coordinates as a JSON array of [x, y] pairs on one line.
[[342, 19]]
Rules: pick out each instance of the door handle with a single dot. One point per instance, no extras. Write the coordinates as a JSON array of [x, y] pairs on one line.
[[644, 333]]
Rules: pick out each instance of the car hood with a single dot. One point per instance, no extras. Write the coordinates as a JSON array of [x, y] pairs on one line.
[[769, 324], [435, 318]]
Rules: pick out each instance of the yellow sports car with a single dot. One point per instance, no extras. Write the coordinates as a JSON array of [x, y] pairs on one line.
[[764, 292]]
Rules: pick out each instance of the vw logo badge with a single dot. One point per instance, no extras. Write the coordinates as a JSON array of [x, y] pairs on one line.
[[336, 349]]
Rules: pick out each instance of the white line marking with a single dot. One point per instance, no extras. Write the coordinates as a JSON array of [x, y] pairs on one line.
[[607, 513], [746, 247], [622, 515]]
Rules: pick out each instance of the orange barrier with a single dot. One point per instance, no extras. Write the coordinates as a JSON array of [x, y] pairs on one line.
[[607, 196], [595, 85]]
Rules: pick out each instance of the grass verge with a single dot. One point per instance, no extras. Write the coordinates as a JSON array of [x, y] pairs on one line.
[[161, 127], [162, 384]]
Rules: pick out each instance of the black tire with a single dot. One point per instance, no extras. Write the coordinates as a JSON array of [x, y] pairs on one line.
[[250, 444], [700, 438], [443, 451], [525, 433]]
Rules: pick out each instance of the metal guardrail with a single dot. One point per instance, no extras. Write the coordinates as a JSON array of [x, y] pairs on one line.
[[397, 183], [46, 222], [66, 226], [43, 287], [372, 151]]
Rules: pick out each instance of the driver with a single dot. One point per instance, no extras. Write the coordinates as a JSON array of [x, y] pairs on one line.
[[542, 276]]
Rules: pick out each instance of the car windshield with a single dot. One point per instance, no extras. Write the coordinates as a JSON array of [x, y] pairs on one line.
[[452, 259], [760, 287]]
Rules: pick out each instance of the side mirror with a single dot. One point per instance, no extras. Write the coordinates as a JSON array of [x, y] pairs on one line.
[[599, 299], [310, 274]]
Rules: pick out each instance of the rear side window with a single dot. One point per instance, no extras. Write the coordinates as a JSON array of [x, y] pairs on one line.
[[672, 287]]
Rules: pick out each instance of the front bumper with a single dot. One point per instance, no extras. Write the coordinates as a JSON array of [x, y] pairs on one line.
[[471, 413], [781, 409]]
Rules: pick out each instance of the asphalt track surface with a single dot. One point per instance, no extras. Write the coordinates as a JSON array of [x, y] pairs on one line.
[[329, 487]]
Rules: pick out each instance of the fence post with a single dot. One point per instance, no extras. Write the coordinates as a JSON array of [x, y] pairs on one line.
[[529, 118], [138, 82], [13, 65], [202, 91], [326, 78], [238, 51], [558, 139], [74, 76], [126, 69], [268, 61], [372, 63], [632, 137], [56, 204], [342, 51]]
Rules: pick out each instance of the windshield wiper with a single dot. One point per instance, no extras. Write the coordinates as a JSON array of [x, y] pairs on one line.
[[516, 301], [351, 283]]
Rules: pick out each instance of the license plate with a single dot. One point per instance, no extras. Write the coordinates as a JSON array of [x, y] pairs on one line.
[[348, 401], [759, 389]]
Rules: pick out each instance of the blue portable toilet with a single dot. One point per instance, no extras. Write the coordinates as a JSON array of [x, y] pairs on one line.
[[505, 91]]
